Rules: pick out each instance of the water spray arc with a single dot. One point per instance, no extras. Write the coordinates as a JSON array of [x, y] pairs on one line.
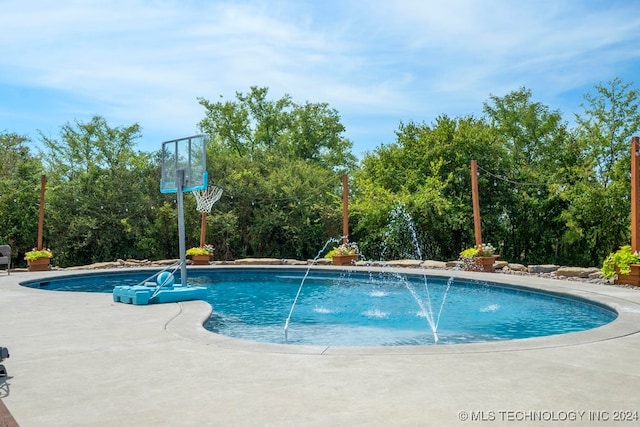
[[295, 300], [400, 215], [401, 222]]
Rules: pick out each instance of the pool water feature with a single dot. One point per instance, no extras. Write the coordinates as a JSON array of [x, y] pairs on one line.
[[376, 310], [364, 308], [401, 224], [306, 274]]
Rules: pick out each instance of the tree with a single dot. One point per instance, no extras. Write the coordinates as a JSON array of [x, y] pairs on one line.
[[426, 174], [100, 193], [539, 156], [253, 125], [20, 173], [280, 165], [611, 116], [602, 191]]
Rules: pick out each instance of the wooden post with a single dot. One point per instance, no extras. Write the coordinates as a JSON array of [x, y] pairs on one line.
[[345, 209], [476, 202], [43, 183], [635, 197], [203, 229]]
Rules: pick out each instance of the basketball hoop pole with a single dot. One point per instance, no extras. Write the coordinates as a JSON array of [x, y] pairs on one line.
[[181, 233]]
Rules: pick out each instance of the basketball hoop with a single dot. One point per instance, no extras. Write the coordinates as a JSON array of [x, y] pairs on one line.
[[204, 202], [206, 198]]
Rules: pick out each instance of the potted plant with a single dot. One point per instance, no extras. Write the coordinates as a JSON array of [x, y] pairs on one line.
[[200, 255], [38, 259], [624, 264], [345, 254], [479, 258]]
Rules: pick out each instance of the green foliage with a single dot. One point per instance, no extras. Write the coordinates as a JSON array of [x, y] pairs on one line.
[[200, 250], [100, 193], [622, 259], [20, 173], [35, 254], [483, 250], [470, 253], [253, 126], [280, 165], [273, 208], [611, 116], [548, 194], [538, 154], [349, 248], [426, 172], [600, 186]]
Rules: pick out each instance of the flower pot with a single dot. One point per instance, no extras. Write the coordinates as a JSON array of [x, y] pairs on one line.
[[344, 259], [200, 259], [633, 278], [481, 263], [40, 264]]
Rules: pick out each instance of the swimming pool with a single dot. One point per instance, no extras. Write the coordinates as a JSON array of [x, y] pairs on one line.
[[349, 308]]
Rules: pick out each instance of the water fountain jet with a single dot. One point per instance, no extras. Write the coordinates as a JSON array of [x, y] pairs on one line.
[[313, 262], [399, 217]]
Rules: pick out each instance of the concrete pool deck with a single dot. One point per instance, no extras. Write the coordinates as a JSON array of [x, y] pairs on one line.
[[79, 359]]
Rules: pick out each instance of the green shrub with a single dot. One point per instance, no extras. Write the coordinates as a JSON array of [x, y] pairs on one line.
[[622, 259]]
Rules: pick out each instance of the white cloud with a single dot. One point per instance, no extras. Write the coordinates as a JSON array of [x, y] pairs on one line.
[[147, 62]]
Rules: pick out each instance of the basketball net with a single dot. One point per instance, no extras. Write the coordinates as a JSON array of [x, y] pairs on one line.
[[206, 198], [204, 202]]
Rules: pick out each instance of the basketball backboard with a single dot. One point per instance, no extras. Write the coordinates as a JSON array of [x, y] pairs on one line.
[[188, 154]]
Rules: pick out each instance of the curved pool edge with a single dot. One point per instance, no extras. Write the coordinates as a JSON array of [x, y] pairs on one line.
[[188, 322], [626, 302]]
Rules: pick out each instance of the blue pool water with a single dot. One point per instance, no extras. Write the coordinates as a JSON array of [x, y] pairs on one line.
[[365, 309]]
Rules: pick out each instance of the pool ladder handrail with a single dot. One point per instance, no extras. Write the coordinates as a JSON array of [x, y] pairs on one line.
[[159, 287], [175, 266]]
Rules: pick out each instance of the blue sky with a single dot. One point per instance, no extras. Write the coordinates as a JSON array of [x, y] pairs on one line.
[[377, 62]]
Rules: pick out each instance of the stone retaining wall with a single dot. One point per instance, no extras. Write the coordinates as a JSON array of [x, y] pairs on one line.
[[546, 270]]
